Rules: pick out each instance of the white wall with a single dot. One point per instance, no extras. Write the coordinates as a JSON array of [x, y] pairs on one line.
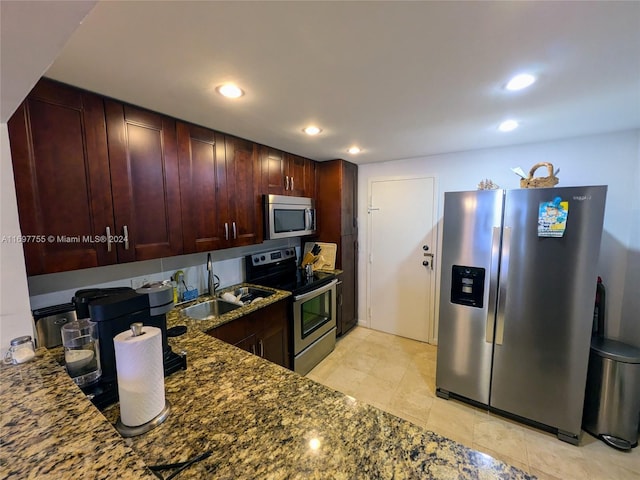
[[15, 314], [609, 159]]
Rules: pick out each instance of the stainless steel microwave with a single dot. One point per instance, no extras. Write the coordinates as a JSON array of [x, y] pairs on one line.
[[289, 216]]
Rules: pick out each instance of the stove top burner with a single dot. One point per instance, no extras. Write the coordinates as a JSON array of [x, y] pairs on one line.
[[279, 269]]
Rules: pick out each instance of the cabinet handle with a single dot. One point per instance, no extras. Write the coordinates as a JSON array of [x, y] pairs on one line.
[[226, 231], [291, 183], [108, 239], [253, 348], [286, 182], [126, 237], [261, 343], [235, 233]]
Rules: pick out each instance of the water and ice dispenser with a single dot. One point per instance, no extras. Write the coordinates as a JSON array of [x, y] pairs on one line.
[[467, 285]]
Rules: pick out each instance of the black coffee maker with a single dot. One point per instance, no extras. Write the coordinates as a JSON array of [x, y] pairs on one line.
[[114, 310]]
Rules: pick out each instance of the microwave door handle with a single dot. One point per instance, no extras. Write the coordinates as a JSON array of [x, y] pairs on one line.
[[309, 215], [316, 292]]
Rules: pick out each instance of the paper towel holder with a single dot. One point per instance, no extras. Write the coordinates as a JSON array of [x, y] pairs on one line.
[[125, 430]]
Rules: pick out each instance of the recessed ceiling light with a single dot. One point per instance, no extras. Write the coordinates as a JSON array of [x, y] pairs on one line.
[[354, 150], [520, 81], [312, 130], [230, 90], [508, 125]]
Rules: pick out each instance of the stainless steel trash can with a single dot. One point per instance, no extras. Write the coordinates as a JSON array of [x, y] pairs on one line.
[[612, 397]]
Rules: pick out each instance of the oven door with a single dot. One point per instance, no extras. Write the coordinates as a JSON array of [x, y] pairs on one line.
[[314, 314]]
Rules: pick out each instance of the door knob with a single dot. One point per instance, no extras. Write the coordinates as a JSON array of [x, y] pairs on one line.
[[425, 263], [425, 247]]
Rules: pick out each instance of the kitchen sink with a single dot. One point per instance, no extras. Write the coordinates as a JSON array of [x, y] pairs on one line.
[[246, 295], [209, 309]]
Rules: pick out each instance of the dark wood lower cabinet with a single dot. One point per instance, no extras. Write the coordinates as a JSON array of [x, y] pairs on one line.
[[264, 332]]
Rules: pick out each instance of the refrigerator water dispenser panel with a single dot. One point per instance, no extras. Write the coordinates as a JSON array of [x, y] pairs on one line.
[[467, 286]]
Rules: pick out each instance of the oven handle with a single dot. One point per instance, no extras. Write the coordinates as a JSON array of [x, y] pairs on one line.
[[316, 292]]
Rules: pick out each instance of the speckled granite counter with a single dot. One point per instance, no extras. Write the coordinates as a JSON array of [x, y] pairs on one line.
[[258, 419], [49, 430]]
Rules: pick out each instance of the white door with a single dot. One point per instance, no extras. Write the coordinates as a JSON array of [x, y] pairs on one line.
[[402, 236]]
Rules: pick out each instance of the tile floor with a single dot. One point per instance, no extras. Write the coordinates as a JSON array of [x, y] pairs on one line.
[[397, 375]]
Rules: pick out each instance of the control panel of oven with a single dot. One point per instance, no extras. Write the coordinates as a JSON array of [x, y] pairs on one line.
[[273, 256]]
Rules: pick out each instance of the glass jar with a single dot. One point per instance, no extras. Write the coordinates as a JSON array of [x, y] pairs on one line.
[[81, 351], [21, 350]]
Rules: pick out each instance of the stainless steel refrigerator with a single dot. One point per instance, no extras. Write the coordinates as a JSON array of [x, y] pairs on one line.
[[517, 292]]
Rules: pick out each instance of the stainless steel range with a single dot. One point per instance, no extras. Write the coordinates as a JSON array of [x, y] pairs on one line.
[[313, 309]]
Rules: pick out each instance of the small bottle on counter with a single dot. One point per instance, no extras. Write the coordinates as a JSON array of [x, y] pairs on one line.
[[179, 278], [21, 350], [174, 284]]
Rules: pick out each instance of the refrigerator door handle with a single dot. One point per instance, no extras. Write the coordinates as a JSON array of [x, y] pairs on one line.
[[502, 290], [493, 285]]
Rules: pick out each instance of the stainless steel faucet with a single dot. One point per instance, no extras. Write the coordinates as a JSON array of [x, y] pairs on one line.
[[211, 283]]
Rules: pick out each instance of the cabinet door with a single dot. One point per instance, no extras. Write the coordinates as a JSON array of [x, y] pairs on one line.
[[201, 199], [295, 175], [310, 179], [61, 171], [272, 166], [248, 344], [145, 182], [273, 340], [349, 198], [232, 332], [329, 201], [244, 214], [348, 259]]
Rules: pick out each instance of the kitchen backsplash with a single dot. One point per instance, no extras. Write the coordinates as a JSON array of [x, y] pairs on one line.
[[228, 265]]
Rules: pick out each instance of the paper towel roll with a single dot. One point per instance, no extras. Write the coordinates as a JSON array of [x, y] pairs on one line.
[[140, 375]]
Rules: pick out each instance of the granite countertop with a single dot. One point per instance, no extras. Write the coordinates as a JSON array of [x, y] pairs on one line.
[[177, 317], [258, 419], [49, 430]]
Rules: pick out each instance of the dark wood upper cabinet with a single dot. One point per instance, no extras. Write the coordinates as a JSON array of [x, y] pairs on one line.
[[349, 203], [243, 213], [219, 183], [145, 182], [61, 169], [272, 164], [302, 176], [287, 174], [198, 152], [295, 174], [87, 167]]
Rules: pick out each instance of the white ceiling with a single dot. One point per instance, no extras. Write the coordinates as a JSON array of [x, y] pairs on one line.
[[399, 79]]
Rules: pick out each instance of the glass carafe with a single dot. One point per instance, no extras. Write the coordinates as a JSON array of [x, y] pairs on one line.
[[81, 351]]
